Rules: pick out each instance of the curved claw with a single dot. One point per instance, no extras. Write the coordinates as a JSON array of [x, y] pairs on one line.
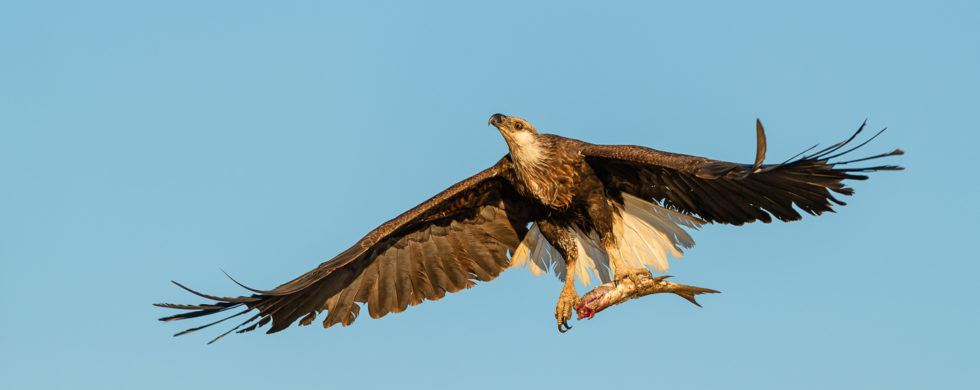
[[566, 325], [566, 304]]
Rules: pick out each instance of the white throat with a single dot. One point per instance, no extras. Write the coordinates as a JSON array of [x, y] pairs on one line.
[[526, 149]]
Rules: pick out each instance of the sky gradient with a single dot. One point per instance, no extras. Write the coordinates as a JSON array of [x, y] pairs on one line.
[[146, 142]]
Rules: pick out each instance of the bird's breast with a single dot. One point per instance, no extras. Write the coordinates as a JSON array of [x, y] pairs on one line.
[[554, 182]]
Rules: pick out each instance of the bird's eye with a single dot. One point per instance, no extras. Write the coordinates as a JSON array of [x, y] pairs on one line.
[[518, 126]]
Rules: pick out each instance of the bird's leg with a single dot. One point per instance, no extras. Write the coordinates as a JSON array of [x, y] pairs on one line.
[[561, 238], [621, 270], [568, 298]]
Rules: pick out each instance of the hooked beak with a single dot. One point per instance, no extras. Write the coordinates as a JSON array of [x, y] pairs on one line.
[[496, 120]]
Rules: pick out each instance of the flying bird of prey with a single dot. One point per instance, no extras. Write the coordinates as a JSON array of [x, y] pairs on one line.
[[588, 211]]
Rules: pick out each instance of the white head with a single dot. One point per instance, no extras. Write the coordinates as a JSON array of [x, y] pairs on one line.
[[522, 138]]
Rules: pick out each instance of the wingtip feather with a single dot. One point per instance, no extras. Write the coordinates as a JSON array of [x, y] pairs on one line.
[[244, 286]]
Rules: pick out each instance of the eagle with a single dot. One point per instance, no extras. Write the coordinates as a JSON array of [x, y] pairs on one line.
[[581, 210]]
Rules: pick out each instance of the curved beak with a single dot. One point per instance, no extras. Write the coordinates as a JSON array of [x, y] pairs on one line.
[[496, 119]]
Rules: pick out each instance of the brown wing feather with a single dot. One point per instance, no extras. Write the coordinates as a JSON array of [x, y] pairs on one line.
[[442, 245], [727, 192]]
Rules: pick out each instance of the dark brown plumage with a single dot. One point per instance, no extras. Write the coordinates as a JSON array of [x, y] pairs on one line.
[[725, 192], [571, 190]]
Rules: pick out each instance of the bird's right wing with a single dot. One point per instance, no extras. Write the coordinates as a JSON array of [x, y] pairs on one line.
[[442, 245]]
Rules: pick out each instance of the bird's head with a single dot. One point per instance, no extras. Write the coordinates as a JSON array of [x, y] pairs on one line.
[[521, 137], [511, 126]]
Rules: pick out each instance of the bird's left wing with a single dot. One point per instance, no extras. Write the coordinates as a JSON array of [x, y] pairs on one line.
[[440, 246], [725, 192]]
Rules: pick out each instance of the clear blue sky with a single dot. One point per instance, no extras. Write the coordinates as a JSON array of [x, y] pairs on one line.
[[166, 140]]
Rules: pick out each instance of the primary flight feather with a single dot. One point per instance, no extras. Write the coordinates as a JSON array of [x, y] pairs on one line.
[[603, 211]]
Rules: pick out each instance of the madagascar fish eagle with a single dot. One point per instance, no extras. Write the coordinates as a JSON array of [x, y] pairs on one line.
[[609, 212]]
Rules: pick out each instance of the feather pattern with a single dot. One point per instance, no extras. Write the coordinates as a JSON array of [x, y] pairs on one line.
[[650, 235], [593, 261], [646, 235], [464, 233], [443, 245], [719, 191]]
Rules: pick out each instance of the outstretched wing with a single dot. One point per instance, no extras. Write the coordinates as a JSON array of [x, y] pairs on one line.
[[440, 246], [732, 193]]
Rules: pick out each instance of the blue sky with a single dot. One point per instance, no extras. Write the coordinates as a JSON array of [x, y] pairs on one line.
[[143, 142]]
